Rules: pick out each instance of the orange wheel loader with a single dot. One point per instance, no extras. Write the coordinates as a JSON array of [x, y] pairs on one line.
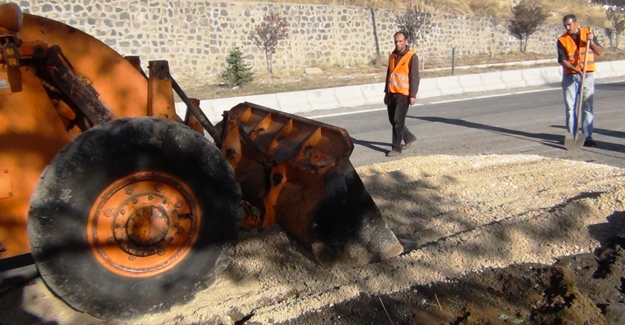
[[127, 208]]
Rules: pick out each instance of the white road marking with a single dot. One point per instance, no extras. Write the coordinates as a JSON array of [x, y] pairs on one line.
[[355, 112], [454, 100]]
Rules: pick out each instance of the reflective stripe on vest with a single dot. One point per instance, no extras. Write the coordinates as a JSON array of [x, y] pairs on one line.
[[574, 54], [399, 75]]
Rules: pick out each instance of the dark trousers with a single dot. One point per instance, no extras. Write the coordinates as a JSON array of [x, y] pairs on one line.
[[397, 109]]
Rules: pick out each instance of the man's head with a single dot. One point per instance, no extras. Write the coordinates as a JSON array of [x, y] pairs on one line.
[[401, 41], [570, 24]]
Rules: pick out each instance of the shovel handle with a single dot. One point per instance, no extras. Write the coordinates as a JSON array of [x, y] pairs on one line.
[[580, 98]]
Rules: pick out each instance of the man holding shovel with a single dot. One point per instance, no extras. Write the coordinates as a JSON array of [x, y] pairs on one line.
[[576, 53]]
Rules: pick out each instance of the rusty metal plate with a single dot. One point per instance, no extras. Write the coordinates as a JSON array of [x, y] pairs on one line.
[[6, 188]]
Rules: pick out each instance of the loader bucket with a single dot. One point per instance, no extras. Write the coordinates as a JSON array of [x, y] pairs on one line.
[[297, 173]]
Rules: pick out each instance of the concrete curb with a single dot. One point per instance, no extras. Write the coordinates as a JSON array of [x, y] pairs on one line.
[[372, 94]]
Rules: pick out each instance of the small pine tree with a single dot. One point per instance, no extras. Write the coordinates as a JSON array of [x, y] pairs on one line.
[[237, 72]]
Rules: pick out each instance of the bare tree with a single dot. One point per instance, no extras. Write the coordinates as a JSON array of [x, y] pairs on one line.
[[527, 16], [415, 21], [267, 35], [616, 16]]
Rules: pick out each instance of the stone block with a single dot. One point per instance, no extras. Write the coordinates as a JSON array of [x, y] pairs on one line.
[[220, 105], [471, 83], [322, 99], [293, 102], [618, 67], [267, 100], [374, 93], [513, 79], [552, 74], [428, 88], [313, 71], [206, 107], [350, 96], [533, 77], [449, 85], [492, 81]]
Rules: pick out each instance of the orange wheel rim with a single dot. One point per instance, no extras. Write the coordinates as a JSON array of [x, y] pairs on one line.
[[143, 224]]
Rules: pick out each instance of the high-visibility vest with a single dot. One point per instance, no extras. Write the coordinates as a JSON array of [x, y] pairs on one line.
[[574, 54], [399, 74]]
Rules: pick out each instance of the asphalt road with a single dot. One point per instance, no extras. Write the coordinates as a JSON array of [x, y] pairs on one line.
[[527, 121]]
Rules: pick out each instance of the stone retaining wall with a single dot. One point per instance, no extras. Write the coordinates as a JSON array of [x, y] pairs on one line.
[[196, 36]]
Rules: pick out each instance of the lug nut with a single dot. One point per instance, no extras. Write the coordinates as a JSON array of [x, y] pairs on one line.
[[158, 187], [128, 190], [132, 257]]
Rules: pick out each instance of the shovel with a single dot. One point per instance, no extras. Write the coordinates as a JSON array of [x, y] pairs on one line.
[[574, 141]]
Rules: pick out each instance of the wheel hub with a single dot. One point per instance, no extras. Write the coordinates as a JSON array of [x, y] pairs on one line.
[[143, 224], [144, 231]]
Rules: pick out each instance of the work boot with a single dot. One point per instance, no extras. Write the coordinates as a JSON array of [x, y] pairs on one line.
[[393, 153], [590, 143], [408, 144]]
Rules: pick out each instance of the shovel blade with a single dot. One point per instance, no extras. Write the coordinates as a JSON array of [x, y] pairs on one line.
[[573, 142]]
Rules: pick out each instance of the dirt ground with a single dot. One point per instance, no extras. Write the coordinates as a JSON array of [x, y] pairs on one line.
[[496, 239], [337, 76], [578, 289], [493, 240]]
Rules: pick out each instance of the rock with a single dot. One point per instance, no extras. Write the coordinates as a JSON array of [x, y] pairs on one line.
[[313, 71]]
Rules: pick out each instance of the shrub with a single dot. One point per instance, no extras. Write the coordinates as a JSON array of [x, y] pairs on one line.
[[415, 21], [527, 16], [268, 33], [616, 17], [237, 72]]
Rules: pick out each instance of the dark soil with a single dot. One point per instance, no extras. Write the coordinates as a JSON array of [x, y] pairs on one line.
[[586, 289]]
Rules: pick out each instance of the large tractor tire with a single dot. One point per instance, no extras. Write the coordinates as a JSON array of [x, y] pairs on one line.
[[133, 217]]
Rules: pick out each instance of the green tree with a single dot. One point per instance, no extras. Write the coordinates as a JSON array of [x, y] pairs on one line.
[[527, 16], [237, 72]]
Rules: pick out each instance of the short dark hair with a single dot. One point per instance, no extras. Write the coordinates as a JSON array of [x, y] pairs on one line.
[[401, 32], [569, 16]]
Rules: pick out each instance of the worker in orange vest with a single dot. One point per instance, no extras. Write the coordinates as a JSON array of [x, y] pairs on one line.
[[402, 84], [571, 48]]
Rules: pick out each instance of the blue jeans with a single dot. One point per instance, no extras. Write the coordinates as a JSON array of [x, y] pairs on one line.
[[570, 87]]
